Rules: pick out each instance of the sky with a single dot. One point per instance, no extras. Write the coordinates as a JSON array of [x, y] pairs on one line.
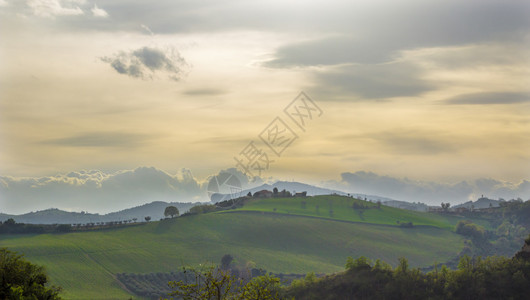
[[110, 104]]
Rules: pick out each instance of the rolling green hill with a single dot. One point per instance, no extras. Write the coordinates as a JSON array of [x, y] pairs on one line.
[[85, 263], [342, 208]]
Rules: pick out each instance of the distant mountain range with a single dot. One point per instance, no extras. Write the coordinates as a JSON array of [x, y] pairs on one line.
[[406, 205], [290, 186], [482, 202], [155, 210], [294, 187]]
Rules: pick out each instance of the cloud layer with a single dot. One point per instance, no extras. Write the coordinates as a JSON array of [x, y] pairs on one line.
[[432, 193], [375, 32], [490, 98], [98, 191], [100, 139], [102, 192]]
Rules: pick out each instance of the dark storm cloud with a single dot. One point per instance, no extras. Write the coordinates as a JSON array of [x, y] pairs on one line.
[[100, 139], [490, 98], [146, 62], [375, 34], [368, 30]]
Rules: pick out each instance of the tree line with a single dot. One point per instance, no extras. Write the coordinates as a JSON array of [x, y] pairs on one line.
[[10, 226]]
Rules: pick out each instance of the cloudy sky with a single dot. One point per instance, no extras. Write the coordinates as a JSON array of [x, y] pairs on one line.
[[422, 93]]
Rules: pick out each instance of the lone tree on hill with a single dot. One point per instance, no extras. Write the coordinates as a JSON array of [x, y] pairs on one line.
[[226, 260], [147, 219], [171, 211]]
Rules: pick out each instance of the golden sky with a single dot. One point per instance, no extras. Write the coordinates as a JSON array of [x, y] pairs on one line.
[[435, 91]]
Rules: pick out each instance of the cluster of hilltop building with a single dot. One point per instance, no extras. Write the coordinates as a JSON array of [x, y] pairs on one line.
[[275, 193]]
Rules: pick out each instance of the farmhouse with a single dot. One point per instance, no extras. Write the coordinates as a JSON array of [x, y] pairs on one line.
[[263, 194]]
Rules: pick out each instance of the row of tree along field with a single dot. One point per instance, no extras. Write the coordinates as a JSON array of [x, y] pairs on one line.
[[10, 226]]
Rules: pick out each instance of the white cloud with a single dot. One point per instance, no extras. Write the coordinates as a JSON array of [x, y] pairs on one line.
[[146, 62], [98, 12], [98, 191], [53, 8], [103, 192], [430, 192]]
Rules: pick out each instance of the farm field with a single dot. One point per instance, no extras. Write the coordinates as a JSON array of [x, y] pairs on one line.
[[342, 209], [85, 263]]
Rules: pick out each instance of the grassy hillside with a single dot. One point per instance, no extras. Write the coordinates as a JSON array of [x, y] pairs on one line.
[[84, 263], [342, 209]]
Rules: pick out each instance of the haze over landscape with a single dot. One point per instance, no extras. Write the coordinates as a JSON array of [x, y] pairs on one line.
[[419, 101], [222, 149]]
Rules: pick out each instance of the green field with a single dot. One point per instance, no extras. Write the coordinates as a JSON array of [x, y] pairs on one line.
[[342, 210], [84, 263]]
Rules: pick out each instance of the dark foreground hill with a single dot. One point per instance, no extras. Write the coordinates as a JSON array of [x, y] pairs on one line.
[[475, 278]]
